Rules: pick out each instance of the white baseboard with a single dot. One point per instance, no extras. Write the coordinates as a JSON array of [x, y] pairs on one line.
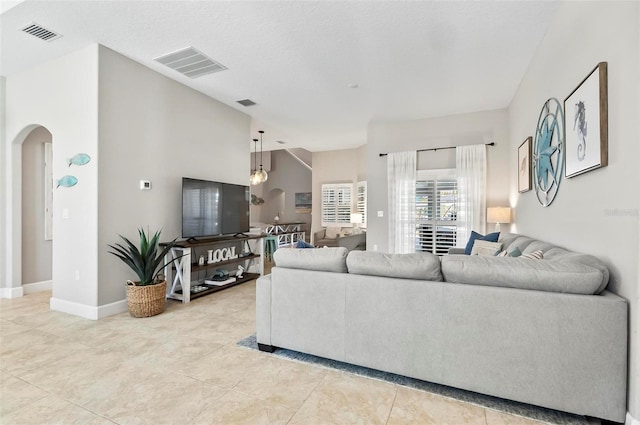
[[16, 292], [113, 308], [31, 288], [86, 311], [630, 420]]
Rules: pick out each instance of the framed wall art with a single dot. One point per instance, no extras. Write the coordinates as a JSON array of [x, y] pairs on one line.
[[524, 166], [586, 124]]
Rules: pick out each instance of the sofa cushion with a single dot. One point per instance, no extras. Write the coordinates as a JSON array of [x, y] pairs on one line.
[[420, 266], [491, 237], [566, 276], [322, 259]]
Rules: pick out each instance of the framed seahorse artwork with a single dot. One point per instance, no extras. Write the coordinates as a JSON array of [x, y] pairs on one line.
[[524, 166], [586, 124]]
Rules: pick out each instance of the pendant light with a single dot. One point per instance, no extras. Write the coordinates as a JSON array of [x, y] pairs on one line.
[[262, 174], [254, 173]]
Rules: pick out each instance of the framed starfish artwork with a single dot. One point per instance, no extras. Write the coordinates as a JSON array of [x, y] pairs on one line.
[[548, 152], [586, 124], [524, 166]]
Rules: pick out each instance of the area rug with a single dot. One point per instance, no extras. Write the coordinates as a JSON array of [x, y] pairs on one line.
[[507, 406]]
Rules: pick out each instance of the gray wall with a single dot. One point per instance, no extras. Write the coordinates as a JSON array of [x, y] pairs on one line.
[[596, 212], [455, 130], [341, 166], [153, 128], [36, 251], [290, 177]]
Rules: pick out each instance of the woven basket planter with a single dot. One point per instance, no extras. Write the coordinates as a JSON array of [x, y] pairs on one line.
[[146, 301]]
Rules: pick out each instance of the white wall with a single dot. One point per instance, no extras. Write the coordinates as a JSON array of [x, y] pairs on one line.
[[36, 251], [156, 129], [596, 212], [455, 130], [341, 166], [61, 95], [4, 178]]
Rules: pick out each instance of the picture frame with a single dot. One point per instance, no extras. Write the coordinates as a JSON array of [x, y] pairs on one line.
[[586, 124], [524, 166], [303, 202]]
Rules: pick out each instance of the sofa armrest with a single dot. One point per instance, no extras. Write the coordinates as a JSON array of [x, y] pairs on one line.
[[455, 251], [263, 310], [352, 241]]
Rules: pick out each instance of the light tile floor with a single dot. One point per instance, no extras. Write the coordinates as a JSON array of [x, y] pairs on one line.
[[183, 367]]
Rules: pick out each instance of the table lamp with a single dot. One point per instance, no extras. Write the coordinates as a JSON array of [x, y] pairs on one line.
[[498, 215], [356, 220]]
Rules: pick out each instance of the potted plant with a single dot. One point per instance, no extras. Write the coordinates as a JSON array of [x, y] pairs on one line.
[[145, 297]]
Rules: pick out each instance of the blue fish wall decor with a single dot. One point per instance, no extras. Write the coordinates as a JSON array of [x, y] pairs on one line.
[[66, 181], [79, 159]]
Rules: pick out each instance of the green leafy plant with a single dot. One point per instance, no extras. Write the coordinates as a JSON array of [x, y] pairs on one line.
[[147, 261]]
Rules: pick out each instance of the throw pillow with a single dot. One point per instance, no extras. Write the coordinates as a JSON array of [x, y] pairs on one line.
[[515, 252], [491, 237], [332, 232], [535, 255], [303, 244], [485, 248]]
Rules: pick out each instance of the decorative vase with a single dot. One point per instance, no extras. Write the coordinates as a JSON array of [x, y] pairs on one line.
[[146, 301]]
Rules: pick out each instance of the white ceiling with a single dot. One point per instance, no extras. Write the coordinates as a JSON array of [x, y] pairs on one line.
[[295, 59]]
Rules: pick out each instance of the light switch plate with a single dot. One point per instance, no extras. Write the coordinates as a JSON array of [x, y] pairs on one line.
[[380, 213]]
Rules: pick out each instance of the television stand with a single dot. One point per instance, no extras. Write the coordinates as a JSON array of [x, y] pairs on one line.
[[246, 250]]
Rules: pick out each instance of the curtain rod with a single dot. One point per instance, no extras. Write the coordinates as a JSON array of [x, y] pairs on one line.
[[439, 149]]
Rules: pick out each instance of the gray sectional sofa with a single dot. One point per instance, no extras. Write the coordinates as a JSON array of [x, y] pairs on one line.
[[543, 332]]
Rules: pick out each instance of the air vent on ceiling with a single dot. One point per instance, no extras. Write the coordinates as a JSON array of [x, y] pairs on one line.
[[40, 32], [246, 102], [190, 62]]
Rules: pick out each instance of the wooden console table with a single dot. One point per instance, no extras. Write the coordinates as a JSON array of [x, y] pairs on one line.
[[180, 264]]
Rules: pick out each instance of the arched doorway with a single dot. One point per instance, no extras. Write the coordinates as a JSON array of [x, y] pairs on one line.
[[14, 217], [274, 202], [37, 217]]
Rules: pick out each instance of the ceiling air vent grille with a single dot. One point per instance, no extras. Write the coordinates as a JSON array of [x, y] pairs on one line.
[[40, 32], [246, 102], [190, 62]]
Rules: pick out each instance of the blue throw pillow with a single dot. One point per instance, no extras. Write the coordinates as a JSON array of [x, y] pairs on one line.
[[491, 237], [303, 244]]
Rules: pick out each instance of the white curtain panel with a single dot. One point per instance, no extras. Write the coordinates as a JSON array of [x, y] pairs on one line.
[[401, 179], [471, 173]]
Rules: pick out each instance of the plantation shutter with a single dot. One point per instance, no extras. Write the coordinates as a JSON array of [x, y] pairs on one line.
[[361, 202], [436, 213], [336, 204]]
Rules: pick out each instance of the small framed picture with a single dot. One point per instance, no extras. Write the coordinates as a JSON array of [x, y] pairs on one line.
[[524, 166], [586, 124]]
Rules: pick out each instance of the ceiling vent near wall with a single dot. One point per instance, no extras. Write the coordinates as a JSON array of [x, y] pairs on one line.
[[246, 102], [40, 32], [190, 62]]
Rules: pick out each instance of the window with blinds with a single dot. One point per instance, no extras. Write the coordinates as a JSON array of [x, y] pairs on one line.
[[336, 204], [361, 202], [436, 213]]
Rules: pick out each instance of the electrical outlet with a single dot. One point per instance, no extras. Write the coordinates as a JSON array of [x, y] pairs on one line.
[[65, 213], [77, 274], [375, 247]]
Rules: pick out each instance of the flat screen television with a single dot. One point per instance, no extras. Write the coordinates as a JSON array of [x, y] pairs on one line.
[[211, 208]]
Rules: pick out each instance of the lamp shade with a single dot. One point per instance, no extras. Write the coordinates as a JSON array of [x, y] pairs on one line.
[[356, 218], [499, 215]]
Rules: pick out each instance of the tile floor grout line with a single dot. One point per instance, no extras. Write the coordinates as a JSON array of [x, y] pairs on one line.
[[395, 396]]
